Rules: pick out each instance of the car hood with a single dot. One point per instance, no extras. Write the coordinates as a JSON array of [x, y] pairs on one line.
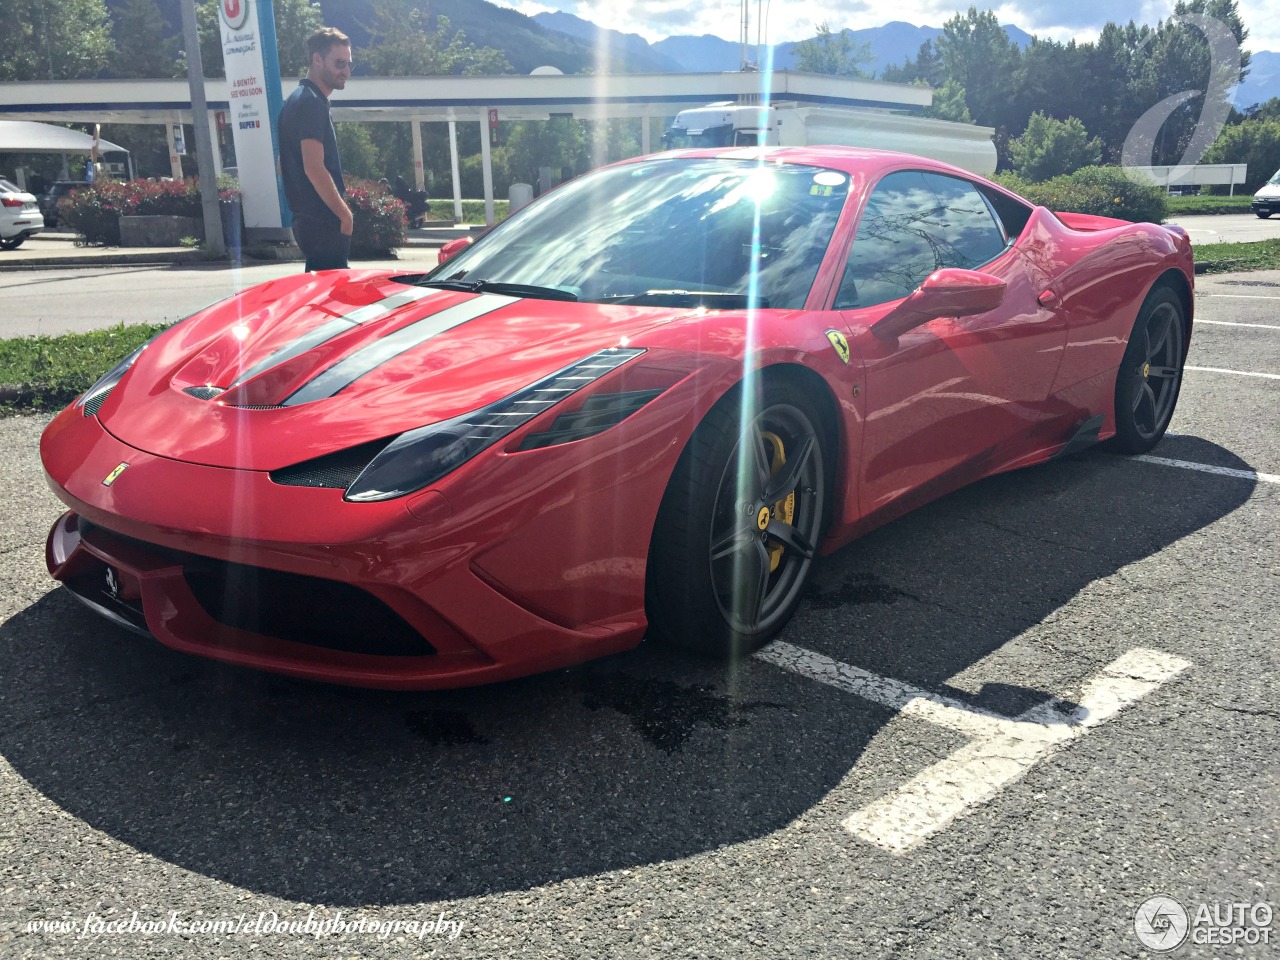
[[300, 367], [1269, 191]]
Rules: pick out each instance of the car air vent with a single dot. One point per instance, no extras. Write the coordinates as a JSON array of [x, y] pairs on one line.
[[204, 393], [598, 414], [333, 470], [94, 404]]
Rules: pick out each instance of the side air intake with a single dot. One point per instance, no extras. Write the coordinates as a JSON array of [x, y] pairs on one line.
[[334, 470], [597, 415]]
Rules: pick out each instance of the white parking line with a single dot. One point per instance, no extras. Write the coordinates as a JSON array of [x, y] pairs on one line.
[[1238, 296], [1232, 323], [1238, 373], [1207, 468], [1002, 751]]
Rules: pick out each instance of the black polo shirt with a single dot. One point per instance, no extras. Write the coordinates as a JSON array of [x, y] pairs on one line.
[[305, 116]]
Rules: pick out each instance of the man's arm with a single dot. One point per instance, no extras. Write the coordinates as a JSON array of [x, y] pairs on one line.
[[318, 174]]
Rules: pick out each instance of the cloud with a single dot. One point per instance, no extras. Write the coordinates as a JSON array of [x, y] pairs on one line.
[[1079, 15], [787, 21]]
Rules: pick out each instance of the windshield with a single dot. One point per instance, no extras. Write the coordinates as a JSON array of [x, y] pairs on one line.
[[1275, 178], [669, 225]]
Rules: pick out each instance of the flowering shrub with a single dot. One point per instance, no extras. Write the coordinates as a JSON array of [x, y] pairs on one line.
[[94, 212], [1101, 191], [380, 220]]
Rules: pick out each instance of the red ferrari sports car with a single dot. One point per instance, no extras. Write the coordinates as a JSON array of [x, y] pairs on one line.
[[642, 404]]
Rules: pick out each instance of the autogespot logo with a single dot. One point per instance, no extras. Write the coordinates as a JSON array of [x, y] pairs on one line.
[[1161, 923]]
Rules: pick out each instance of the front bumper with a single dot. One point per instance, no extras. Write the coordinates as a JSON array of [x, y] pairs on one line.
[[1266, 207], [499, 588]]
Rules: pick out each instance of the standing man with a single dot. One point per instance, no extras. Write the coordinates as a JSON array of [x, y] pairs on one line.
[[309, 159]]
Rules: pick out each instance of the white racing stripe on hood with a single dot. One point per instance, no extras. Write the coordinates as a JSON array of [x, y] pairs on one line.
[[327, 331], [350, 369]]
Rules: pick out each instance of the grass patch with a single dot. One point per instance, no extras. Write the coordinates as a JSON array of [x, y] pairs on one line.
[[1228, 257], [472, 210], [1190, 206], [44, 373]]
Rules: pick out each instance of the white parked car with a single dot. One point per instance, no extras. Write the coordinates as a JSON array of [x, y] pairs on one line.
[[19, 215], [1267, 200]]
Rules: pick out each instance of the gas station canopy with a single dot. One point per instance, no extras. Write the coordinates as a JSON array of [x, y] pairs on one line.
[[26, 136]]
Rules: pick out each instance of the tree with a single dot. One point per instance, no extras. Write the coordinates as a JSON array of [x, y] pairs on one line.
[[1179, 59], [400, 44], [1269, 110], [55, 39], [925, 67], [1255, 142], [295, 21], [949, 104], [1050, 147], [144, 48], [832, 53], [978, 55], [355, 146]]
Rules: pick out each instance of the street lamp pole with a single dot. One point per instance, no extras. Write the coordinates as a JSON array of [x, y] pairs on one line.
[[204, 143]]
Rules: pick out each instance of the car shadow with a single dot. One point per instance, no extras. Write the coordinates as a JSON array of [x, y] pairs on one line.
[[351, 797]]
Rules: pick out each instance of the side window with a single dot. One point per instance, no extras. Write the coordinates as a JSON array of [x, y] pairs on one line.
[[913, 224]]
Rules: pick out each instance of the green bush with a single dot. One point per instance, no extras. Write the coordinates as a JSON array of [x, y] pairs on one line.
[[380, 220], [1050, 148], [1100, 191]]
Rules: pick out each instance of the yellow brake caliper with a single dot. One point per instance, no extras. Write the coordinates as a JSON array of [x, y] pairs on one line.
[[784, 509]]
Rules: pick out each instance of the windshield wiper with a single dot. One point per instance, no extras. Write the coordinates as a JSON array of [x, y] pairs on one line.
[[687, 298], [497, 286]]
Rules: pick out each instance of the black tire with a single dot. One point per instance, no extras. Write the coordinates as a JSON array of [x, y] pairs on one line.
[[1261, 215], [1150, 374], [13, 243], [739, 525]]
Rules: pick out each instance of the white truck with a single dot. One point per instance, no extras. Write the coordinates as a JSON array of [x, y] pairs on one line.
[[792, 125]]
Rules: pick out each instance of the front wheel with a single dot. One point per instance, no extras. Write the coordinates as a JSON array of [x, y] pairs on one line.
[[739, 525], [1262, 215], [1150, 374]]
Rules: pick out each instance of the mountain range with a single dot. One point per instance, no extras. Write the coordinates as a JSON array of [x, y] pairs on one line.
[[573, 45]]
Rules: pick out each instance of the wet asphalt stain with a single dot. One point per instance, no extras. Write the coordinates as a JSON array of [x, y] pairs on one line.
[[859, 589], [443, 728], [665, 713]]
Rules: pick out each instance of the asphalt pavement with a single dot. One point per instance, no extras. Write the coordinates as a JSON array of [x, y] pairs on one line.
[[997, 728]]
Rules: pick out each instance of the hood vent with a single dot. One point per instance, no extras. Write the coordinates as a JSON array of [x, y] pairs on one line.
[[94, 403], [204, 393]]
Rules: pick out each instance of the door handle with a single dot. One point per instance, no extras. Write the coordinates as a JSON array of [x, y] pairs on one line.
[[1047, 298]]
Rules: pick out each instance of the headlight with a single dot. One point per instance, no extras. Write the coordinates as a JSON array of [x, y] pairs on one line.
[[420, 457], [93, 398]]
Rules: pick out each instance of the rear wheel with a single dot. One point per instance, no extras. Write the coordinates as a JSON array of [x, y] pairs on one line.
[[739, 525], [1150, 374], [12, 243]]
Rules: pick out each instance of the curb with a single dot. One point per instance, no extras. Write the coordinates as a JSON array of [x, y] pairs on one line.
[[106, 260]]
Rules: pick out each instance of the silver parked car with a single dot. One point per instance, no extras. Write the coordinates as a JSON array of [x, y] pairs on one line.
[[19, 215]]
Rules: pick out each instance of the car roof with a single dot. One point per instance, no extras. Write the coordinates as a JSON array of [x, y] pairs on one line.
[[851, 160]]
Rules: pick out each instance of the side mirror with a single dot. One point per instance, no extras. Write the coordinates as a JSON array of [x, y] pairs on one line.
[[948, 292], [452, 247]]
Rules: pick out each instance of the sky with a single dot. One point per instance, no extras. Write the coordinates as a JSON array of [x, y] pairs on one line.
[[789, 20]]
